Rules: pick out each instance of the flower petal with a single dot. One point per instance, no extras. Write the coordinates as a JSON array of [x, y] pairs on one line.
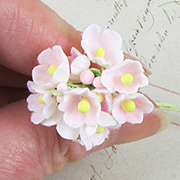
[[106, 120], [79, 64], [54, 119], [66, 131], [50, 56]]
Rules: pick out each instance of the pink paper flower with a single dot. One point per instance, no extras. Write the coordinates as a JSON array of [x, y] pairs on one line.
[[131, 108], [94, 140], [53, 67], [43, 107], [94, 136], [125, 77], [102, 47], [80, 106], [87, 95], [89, 136]]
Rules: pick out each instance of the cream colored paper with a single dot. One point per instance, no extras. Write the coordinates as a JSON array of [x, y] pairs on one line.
[[151, 32]]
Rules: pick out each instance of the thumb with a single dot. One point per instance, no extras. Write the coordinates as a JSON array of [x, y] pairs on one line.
[[27, 28]]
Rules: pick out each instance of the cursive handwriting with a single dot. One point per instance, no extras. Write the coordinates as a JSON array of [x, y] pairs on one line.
[[118, 6]]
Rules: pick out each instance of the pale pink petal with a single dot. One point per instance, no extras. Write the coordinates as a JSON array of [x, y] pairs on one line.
[[74, 54], [110, 79], [106, 104], [136, 117], [118, 114], [106, 120], [143, 103], [73, 118], [79, 64], [34, 104], [66, 131], [94, 140], [51, 105], [90, 130], [54, 119], [61, 74], [51, 56], [41, 76], [35, 88], [36, 107], [37, 117]]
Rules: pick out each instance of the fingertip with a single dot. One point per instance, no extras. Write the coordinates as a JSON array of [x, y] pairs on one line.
[[29, 27], [152, 124]]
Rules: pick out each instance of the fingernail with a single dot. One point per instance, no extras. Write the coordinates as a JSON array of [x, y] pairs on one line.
[[164, 119]]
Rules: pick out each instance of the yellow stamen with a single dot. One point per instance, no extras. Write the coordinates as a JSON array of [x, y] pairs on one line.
[[84, 105], [127, 78], [128, 105], [51, 69], [100, 52], [40, 99], [101, 97], [99, 130]]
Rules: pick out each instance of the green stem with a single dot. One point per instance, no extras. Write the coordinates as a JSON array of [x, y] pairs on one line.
[[167, 106], [169, 3]]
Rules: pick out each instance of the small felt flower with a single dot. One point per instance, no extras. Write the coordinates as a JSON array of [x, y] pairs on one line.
[[131, 108], [80, 106], [125, 77], [102, 47], [53, 67]]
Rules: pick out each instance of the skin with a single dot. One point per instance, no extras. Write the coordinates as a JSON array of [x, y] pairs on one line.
[[29, 151]]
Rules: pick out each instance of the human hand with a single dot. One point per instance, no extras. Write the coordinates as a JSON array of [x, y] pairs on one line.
[[29, 151]]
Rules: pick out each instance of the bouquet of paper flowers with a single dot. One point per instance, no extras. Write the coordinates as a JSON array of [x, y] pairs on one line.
[[87, 95]]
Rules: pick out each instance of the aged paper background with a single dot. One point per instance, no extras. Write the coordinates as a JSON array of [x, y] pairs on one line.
[[151, 32]]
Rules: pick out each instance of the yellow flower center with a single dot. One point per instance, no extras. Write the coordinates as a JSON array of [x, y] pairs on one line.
[[99, 130], [100, 52], [128, 105], [40, 99], [84, 105], [101, 97], [127, 78], [51, 69]]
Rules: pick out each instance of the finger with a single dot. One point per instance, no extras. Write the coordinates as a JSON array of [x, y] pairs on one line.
[[29, 27], [11, 78], [152, 124], [9, 95], [29, 151]]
